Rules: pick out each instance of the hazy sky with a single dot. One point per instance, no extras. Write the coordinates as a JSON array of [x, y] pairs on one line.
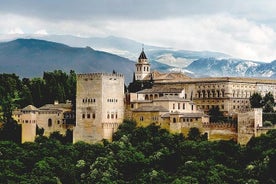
[[242, 28]]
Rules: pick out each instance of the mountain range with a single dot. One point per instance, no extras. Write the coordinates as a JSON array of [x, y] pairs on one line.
[[31, 57]]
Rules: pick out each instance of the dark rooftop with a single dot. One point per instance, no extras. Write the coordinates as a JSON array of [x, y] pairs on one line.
[[143, 55]]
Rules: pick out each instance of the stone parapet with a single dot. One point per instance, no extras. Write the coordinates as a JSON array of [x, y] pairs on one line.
[[96, 75]]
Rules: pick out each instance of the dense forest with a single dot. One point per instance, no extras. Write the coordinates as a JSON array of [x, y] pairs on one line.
[[140, 155]]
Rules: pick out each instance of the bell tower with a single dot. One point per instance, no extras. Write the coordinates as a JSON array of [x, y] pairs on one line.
[[142, 66]]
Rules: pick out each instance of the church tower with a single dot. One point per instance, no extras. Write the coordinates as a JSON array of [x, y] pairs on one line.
[[142, 67]]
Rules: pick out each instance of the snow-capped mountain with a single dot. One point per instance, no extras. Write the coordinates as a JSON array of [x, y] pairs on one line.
[[232, 67]]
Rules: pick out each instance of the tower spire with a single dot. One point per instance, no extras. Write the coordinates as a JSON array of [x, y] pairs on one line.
[[142, 66]]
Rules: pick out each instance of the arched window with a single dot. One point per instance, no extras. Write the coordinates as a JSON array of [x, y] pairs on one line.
[[49, 122], [203, 93], [174, 120], [146, 97], [208, 94], [222, 92], [107, 116], [198, 93]]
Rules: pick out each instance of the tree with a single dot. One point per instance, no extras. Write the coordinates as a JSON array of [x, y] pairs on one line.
[[268, 102], [37, 88], [256, 100], [216, 114], [194, 134]]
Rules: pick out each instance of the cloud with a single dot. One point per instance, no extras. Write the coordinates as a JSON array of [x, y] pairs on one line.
[[16, 30], [244, 29], [222, 32], [41, 32]]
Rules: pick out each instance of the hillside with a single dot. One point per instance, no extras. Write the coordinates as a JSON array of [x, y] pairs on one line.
[[31, 57]]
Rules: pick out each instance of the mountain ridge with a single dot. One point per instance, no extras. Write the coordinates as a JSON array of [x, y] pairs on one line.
[[21, 55]]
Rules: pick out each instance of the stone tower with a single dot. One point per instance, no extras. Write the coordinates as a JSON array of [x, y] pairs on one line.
[[142, 67], [99, 106], [248, 123], [28, 123]]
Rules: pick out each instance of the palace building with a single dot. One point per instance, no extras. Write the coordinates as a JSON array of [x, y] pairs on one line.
[[51, 117], [176, 91]]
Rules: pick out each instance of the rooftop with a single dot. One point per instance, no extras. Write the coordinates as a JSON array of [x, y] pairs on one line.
[[143, 55], [151, 109]]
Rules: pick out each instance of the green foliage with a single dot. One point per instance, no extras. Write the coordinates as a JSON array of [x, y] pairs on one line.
[[140, 155], [256, 100], [138, 85], [270, 117], [216, 115], [267, 102], [195, 135]]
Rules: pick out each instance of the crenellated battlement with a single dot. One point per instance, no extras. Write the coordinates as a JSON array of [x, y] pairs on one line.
[[220, 125], [98, 75]]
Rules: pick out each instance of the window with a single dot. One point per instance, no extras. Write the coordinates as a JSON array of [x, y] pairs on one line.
[[174, 120], [88, 116], [49, 122], [178, 105], [94, 115], [83, 116], [173, 106], [108, 116], [112, 116], [141, 118], [183, 105]]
